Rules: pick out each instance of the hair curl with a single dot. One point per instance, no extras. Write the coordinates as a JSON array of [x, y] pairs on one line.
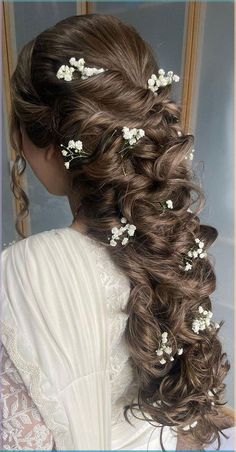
[[162, 298]]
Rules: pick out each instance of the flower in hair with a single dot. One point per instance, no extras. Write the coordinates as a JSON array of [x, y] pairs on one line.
[[165, 348], [162, 80], [211, 394], [131, 136], [167, 205], [73, 150], [187, 427], [118, 232], [190, 156], [203, 321], [193, 254], [66, 72]]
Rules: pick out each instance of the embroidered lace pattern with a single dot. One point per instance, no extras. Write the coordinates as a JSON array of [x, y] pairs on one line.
[[22, 425]]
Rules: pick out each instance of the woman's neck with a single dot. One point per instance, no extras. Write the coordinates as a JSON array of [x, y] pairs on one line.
[[78, 222]]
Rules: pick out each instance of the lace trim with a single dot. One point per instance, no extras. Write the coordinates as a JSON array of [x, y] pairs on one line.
[[22, 425], [50, 408]]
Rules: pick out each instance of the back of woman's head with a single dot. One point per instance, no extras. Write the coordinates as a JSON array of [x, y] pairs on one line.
[[164, 298]]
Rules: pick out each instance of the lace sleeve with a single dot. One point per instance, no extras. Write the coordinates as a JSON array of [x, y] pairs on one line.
[[22, 425]]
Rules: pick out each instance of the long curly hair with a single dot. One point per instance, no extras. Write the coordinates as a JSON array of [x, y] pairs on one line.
[[163, 297]]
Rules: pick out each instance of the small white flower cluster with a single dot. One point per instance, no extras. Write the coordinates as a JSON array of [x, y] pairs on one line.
[[85, 71], [162, 80], [74, 150], [193, 254], [66, 72], [187, 427], [190, 156], [117, 232], [202, 322], [132, 135], [167, 205], [166, 348]]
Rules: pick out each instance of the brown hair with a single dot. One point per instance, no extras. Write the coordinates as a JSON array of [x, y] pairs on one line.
[[163, 297]]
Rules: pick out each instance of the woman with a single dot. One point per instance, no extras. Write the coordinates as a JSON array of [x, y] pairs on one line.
[[108, 341]]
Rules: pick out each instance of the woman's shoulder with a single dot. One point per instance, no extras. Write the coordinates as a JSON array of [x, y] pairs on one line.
[[63, 253], [40, 241], [59, 251], [31, 239]]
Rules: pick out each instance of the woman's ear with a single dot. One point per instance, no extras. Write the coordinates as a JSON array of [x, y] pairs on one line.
[[51, 151]]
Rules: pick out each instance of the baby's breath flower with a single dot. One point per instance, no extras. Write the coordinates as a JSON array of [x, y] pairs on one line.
[[74, 150], [155, 82], [164, 348], [132, 135], [187, 427], [203, 321], [169, 204], [193, 254], [66, 72], [190, 156], [118, 232]]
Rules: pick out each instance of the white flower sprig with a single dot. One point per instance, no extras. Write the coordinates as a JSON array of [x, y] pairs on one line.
[[166, 349], [162, 80], [85, 71], [118, 232], [74, 150], [131, 136], [193, 254], [203, 321], [66, 72]]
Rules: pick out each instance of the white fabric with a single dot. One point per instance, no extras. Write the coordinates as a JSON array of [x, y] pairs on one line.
[[63, 329], [22, 426]]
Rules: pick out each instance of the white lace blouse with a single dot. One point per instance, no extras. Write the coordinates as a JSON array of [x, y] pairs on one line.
[[66, 369]]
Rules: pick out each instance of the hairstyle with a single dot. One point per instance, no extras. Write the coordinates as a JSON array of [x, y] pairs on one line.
[[162, 296]]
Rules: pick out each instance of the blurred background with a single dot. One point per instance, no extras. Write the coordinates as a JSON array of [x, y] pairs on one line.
[[195, 40]]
